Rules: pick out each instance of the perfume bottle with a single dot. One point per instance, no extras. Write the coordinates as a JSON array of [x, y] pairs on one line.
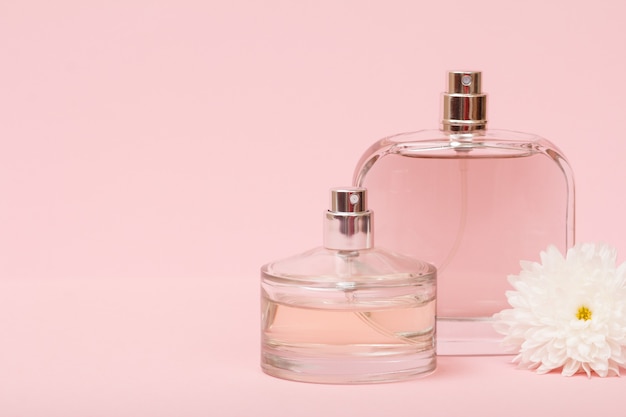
[[473, 202], [348, 313]]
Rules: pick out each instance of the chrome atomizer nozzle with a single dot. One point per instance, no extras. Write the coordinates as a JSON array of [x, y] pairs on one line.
[[464, 104], [348, 223]]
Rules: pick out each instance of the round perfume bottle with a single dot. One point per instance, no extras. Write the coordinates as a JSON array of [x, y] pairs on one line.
[[347, 312]]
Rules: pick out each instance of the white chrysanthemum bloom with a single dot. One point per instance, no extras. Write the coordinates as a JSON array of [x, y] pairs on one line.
[[568, 313]]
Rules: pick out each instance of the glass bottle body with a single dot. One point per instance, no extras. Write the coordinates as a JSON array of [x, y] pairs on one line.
[[474, 205], [356, 317]]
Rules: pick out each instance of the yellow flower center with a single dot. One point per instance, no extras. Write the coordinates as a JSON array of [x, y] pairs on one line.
[[583, 313]]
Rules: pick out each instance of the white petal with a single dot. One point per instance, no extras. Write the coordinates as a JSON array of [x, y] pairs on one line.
[[571, 367]]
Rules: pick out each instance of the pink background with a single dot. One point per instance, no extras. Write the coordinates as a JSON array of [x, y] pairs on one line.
[[155, 153]]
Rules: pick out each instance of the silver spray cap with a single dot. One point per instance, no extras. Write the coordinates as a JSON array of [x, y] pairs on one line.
[[348, 223], [464, 104]]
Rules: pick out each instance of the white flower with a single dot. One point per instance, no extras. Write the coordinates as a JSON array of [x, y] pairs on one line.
[[568, 313]]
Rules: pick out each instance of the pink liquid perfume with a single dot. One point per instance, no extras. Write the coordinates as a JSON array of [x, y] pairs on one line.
[[347, 312], [473, 202]]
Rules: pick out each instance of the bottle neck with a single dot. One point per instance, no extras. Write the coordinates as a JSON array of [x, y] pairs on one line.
[[464, 136]]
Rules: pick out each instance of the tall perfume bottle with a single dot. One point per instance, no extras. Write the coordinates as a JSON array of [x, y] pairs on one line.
[[473, 202], [348, 312]]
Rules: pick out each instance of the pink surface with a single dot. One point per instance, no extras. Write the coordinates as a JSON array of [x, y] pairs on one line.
[[172, 347], [155, 154]]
